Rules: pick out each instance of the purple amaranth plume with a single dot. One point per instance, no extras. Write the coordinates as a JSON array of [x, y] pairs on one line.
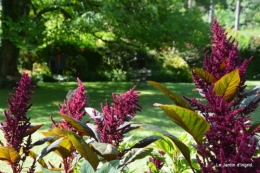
[[16, 121], [225, 56], [123, 108], [17, 124], [228, 147], [74, 106]]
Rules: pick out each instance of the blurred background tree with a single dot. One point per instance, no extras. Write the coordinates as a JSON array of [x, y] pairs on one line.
[[97, 37]]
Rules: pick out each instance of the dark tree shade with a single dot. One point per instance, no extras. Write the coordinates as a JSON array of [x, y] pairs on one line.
[[12, 11]]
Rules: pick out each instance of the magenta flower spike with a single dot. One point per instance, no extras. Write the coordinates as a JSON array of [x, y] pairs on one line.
[[16, 121], [228, 146], [123, 108], [75, 105]]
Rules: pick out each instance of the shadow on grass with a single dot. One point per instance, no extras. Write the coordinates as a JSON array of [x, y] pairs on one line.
[[48, 95]]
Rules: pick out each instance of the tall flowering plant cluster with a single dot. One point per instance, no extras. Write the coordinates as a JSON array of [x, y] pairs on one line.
[[225, 139], [17, 126], [74, 108], [65, 138], [112, 124], [105, 133], [229, 145], [16, 121], [74, 105]]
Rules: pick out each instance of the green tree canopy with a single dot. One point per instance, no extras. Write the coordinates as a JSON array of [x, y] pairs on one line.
[[249, 15], [34, 24]]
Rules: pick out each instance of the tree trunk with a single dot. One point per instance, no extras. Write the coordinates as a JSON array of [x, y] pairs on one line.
[[12, 11], [9, 57], [189, 3], [211, 11], [237, 15]]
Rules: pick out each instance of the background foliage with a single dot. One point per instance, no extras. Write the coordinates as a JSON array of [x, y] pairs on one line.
[[102, 37]]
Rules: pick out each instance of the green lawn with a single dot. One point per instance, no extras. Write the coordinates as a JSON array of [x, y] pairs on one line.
[[48, 95]]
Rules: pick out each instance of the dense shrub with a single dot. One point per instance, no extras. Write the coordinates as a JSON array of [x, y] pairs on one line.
[[79, 61], [253, 71], [169, 76], [178, 67], [169, 66], [93, 76], [116, 75]]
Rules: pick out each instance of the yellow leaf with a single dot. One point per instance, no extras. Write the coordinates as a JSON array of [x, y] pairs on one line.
[[227, 85], [65, 148], [223, 64], [34, 156], [9, 154], [58, 170], [189, 120], [83, 148], [174, 97], [53, 132], [206, 76]]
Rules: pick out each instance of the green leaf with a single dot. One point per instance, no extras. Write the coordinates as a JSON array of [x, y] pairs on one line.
[[135, 154], [255, 92], [109, 167], [108, 151], [53, 146], [166, 145], [189, 120], [53, 170], [34, 156], [227, 85], [129, 127], [43, 140], [80, 126], [93, 127], [64, 149], [32, 129], [86, 167], [206, 76], [93, 113], [125, 125], [84, 150], [174, 97], [62, 146], [146, 141], [179, 144], [253, 126], [9, 154], [152, 167]]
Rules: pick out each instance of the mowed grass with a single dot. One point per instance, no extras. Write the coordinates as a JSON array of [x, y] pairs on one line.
[[48, 95]]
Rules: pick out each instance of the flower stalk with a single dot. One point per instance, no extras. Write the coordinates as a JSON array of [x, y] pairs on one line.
[[228, 143]]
